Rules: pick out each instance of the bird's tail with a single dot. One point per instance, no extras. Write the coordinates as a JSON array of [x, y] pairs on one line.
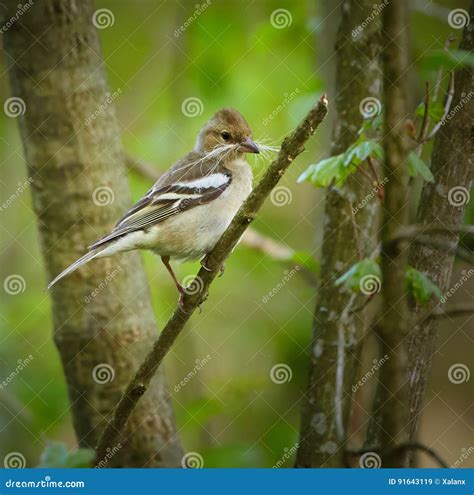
[[71, 268]]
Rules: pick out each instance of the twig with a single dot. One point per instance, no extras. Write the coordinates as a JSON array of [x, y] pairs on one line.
[[426, 118], [141, 167], [368, 176], [451, 312], [400, 449], [417, 234], [372, 168], [412, 231], [447, 246], [447, 107], [291, 147], [439, 76]]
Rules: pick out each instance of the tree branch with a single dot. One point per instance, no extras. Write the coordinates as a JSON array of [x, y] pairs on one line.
[[336, 342], [402, 449], [390, 414], [451, 165], [451, 312], [291, 147]]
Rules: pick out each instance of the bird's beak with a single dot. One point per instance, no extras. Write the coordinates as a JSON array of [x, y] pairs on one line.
[[248, 146]]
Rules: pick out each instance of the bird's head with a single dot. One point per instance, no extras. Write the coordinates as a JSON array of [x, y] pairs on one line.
[[226, 127]]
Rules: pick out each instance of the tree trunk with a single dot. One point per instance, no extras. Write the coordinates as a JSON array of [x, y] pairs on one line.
[[390, 414], [103, 320], [442, 204], [337, 330]]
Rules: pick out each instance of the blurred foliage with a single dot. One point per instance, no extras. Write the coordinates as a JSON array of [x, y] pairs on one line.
[[230, 55], [57, 455], [421, 287]]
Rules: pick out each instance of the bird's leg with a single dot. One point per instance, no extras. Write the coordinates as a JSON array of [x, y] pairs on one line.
[[166, 262]]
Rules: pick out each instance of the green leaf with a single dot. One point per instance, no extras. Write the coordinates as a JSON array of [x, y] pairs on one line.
[[57, 455], [421, 287], [54, 455], [372, 125], [364, 276], [449, 59], [338, 168], [417, 166], [435, 111], [361, 150], [81, 458], [321, 174]]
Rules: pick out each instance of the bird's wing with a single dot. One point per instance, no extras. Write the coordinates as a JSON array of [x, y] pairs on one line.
[[177, 191]]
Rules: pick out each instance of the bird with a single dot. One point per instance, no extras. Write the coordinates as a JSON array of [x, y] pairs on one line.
[[191, 205]]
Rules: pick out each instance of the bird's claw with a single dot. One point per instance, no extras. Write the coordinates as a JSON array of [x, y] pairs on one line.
[[204, 265]]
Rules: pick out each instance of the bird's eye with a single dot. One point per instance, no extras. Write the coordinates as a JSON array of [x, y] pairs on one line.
[[225, 135]]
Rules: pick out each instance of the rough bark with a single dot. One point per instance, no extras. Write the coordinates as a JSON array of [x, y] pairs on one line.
[[338, 330], [102, 313], [291, 147], [452, 166], [389, 427]]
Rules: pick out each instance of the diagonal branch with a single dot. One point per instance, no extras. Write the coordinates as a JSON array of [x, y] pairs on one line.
[[291, 147]]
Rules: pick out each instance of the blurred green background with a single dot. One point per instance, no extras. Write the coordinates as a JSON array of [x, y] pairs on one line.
[[230, 55]]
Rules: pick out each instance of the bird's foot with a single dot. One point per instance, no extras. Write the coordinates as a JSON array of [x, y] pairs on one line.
[[221, 270], [204, 264]]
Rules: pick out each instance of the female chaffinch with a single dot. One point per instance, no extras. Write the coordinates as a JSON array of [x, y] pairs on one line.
[[189, 207]]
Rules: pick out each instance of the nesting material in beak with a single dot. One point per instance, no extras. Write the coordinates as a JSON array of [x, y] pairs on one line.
[[249, 146]]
